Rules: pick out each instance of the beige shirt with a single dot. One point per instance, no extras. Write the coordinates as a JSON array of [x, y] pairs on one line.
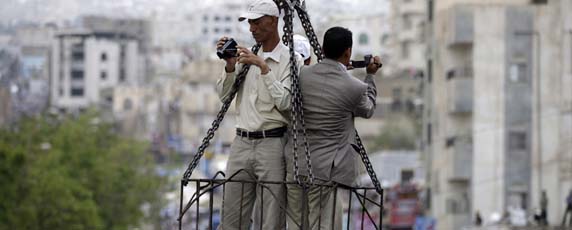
[[263, 101]]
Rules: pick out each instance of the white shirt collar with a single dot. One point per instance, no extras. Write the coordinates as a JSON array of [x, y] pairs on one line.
[[275, 54]]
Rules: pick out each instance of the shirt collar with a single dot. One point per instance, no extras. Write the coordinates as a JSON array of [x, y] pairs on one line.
[[335, 63], [275, 54]]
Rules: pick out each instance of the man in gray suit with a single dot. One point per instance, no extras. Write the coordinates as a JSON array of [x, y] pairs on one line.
[[332, 98]]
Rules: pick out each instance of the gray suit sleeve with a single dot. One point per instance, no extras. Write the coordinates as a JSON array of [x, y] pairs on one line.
[[366, 105]]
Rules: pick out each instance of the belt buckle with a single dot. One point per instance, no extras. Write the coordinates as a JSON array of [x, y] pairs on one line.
[[264, 134]]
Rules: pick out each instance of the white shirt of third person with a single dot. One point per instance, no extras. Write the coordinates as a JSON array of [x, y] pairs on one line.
[[264, 98]]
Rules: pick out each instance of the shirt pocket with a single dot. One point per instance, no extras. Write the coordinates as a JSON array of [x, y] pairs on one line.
[[264, 102]]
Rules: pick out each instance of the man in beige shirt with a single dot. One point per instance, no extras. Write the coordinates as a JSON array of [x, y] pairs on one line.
[[262, 105]]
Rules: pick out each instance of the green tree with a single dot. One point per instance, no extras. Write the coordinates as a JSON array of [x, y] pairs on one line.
[[73, 173], [400, 132]]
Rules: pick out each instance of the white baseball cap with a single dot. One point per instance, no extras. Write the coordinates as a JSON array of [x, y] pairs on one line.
[[260, 8], [302, 46]]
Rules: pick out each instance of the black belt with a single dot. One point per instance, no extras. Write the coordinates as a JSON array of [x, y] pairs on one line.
[[276, 132]]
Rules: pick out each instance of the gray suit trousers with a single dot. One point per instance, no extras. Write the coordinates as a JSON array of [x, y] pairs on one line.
[[320, 205], [264, 159]]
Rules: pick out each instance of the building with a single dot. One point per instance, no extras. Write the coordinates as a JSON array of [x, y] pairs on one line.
[[484, 121], [84, 63], [552, 108], [395, 167], [34, 43], [406, 42], [10, 66]]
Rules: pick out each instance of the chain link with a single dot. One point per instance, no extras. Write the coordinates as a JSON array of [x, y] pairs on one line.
[[220, 116], [367, 164], [297, 114]]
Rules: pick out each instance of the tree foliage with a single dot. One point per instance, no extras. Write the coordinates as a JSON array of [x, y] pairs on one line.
[[400, 132], [73, 173]]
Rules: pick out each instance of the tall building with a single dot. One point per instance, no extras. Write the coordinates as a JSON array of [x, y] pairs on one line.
[[85, 63], [487, 108], [406, 42], [552, 108]]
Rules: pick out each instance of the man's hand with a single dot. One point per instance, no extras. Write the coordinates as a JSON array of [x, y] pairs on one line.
[[374, 65], [230, 62], [245, 56]]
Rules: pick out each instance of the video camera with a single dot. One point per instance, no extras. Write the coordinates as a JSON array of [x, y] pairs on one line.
[[228, 50], [362, 64]]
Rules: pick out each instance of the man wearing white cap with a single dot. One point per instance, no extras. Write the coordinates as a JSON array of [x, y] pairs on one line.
[[302, 46], [262, 105]]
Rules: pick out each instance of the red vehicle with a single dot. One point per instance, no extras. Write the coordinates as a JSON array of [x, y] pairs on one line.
[[404, 206]]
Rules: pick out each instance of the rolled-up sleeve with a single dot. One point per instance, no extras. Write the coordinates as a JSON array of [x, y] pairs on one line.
[[367, 103]]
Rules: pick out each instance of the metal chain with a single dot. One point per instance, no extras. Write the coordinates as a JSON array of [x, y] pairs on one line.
[[296, 98], [367, 164], [309, 30], [220, 116]]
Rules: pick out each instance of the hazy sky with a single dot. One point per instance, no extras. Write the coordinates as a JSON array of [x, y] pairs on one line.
[[59, 10]]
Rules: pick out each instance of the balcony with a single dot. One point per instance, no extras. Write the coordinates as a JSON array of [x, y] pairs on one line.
[[461, 26], [461, 159], [460, 89], [409, 35], [412, 7]]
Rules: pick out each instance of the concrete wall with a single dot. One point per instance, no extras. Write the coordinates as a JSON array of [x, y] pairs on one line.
[[488, 117], [552, 155]]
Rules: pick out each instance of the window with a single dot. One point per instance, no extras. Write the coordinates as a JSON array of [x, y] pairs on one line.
[[406, 176], [217, 18], [363, 39], [127, 104], [407, 24], [383, 39], [122, 50], [227, 18], [205, 18], [430, 6], [405, 49], [103, 75], [77, 74], [517, 140], [216, 30], [429, 137], [539, 1], [227, 30], [77, 52], [76, 92], [122, 76], [205, 30], [396, 93], [519, 73], [103, 57], [109, 99]]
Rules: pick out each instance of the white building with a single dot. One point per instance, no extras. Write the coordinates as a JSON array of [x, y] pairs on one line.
[[85, 63], [394, 167], [406, 42]]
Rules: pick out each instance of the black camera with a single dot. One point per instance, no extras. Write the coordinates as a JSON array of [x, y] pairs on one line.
[[361, 64], [228, 50]]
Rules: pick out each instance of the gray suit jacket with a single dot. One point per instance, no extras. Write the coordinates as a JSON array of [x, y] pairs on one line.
[[332, 98]]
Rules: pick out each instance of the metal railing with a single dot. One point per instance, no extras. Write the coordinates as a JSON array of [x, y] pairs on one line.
[[362, 207]]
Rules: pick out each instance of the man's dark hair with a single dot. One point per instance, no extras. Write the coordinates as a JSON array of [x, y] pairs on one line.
[[336, 41]]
